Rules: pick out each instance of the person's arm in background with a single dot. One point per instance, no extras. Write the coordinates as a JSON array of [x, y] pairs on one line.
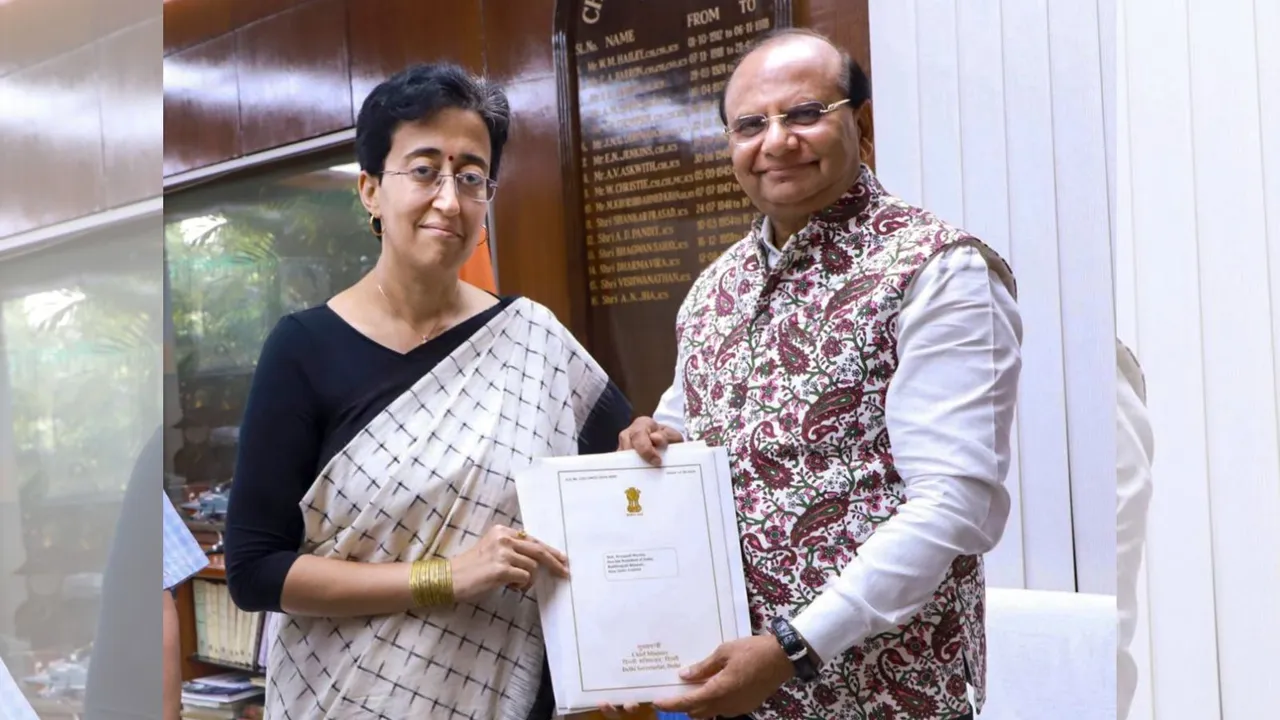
[[1134, 448], [183, 557], [172, 658], [13, 704]]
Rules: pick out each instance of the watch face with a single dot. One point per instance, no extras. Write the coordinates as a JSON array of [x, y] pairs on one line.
[[788, 638], [797, 652]]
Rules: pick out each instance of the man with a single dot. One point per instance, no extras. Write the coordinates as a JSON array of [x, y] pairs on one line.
[[183, 558], [859, 359], [1134, 448]]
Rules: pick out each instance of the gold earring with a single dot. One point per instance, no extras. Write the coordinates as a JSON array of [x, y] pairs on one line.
[[375, 225]]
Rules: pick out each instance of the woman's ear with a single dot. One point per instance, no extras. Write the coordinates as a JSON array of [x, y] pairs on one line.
[[368, 187]]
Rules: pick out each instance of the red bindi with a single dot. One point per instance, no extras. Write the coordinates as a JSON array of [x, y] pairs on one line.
[[450, 158]]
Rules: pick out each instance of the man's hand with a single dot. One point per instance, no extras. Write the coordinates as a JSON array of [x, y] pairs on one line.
[[739, 676], [633, 711], [647, 437]]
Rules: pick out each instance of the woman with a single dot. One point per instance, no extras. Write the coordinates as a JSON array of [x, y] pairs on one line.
[[373, 501]]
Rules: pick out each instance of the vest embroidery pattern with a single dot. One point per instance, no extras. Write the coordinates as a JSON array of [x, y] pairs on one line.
[[788, 369]]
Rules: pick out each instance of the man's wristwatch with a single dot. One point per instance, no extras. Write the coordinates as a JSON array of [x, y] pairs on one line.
[[795, 648]]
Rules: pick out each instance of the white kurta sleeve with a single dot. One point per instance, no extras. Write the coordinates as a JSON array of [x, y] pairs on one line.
[[949, 412]]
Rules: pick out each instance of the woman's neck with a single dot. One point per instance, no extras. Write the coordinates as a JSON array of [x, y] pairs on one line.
[[419, 299]]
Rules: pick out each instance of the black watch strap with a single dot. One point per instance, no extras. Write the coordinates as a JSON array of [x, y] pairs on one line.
[[795, 648]]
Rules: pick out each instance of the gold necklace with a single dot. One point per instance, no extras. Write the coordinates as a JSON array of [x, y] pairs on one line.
[[440, 326]]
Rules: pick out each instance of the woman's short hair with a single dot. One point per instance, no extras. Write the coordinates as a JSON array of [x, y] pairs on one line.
[[417, 93]]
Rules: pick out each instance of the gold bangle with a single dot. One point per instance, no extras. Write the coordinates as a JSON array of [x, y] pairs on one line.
[[418, 583], [431, 583]]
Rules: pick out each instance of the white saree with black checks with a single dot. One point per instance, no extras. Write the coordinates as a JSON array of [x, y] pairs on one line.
[[426, 478]]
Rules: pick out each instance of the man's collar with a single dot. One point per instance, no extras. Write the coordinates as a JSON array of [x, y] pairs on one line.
[[865, 191]]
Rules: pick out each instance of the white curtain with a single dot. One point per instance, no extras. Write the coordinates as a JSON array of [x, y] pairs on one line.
[[1198, 298], [994, 114]]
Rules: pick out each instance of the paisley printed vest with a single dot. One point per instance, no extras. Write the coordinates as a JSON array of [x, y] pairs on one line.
[[788, 369]]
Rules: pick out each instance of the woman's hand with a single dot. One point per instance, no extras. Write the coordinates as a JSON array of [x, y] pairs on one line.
[[503, 557]]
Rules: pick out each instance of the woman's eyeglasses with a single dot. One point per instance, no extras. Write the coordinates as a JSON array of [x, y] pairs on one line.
[[799, 119], [469, 185]]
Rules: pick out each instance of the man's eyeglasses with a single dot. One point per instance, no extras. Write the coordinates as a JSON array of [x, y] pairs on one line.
[[799, 119], [470, 185]]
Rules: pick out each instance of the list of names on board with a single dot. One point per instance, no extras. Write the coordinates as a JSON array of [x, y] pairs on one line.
[[659, 197]]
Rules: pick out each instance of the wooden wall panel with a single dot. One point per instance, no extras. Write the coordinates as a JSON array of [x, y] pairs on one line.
[[530, 238], [292, 76], [109, 17], [243, 13], [518, 39], [17, 43], [191, 22], [81, 88], [132, 116], [509, 42], [27, 36], [61, 158], [380, 48], [201, 106], [529, 225]]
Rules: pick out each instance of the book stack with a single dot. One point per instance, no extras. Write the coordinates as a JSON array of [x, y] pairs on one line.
[[225, 634], [227, 696]]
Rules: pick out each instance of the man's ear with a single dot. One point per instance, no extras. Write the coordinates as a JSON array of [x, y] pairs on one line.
[[866, 134]]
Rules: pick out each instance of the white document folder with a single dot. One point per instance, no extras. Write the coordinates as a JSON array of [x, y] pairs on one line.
[[656, 580]]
